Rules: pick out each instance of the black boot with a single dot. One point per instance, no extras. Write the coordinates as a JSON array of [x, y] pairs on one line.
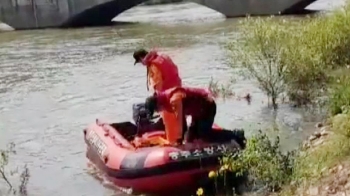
[[239, 136]]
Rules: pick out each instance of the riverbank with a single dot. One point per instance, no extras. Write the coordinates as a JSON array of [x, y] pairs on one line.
[[323, 165], [326, 162], [305, 62]]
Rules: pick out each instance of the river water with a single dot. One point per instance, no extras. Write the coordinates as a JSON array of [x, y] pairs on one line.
[[54, 82]]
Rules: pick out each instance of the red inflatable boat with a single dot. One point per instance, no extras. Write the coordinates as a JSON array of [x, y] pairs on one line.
[[153, 169]]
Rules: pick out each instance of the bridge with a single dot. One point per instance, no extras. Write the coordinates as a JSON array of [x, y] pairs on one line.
[[33, 14]]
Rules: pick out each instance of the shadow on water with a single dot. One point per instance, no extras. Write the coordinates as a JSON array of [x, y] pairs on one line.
[[98, 25], [101, 15]]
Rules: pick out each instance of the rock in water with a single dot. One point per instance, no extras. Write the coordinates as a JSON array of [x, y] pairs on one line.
[[319, 125], [5, 27]]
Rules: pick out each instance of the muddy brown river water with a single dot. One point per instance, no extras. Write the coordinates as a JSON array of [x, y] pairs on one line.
[[54, 82]]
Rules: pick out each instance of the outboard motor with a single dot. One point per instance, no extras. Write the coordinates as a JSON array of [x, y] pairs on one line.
[[144, 121], [140, 114]]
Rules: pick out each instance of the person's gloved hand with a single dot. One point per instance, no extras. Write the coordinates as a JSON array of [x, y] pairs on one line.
[[137, 142]]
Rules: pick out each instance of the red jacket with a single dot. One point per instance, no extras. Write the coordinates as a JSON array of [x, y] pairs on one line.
[[169, 71], [194, 103]]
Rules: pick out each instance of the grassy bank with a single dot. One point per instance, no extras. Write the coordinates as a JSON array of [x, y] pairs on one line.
[[306, 62]]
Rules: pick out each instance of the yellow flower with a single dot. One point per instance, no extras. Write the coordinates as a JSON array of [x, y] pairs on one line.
[[200, 192], [212, 174], [224, 168]]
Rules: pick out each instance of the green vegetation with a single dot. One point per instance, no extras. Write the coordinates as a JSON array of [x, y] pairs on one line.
[[268, 167], [220, 90], [340, 97], [293, 57], [5, 174], [304, 60]]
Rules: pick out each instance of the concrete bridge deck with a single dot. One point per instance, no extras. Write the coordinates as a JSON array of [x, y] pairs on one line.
[[32, 14]]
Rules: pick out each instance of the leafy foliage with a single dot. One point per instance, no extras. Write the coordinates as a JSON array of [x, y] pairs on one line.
[[260, 54], [340, 95], [300, 58], [266, 164], [294, 56]]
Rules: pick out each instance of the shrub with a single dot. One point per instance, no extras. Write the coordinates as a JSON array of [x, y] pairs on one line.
[[335, 39], [280, 56], [340, 95], [24, 176], [259, 53], [220, 90], [295, 56], [305, 72], [263, 159], [341, 123]]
